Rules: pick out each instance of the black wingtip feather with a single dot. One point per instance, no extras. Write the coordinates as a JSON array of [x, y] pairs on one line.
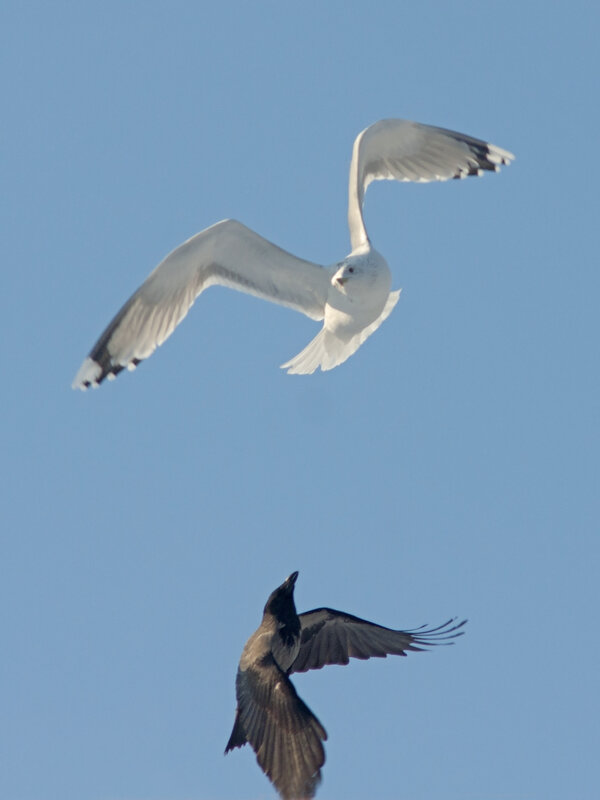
[[441, 634]]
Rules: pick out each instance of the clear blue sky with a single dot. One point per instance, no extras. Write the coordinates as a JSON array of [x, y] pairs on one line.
[[449, 468]]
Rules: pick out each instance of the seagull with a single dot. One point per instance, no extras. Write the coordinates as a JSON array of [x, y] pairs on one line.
[[352, 297], [281, 729]]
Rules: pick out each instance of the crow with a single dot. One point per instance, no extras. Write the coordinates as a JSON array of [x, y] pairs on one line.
[[281, 729]]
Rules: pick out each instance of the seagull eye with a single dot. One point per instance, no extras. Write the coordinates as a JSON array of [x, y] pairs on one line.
[[350, 270]]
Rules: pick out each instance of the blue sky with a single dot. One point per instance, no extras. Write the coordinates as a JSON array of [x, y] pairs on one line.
[[449, 468]]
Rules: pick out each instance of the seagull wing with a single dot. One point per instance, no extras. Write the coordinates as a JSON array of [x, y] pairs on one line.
[[228, 254], [401, 150], [333, 637], [283, 732]]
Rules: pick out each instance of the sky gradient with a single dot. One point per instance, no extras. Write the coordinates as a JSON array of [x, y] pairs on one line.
[[450, 467]]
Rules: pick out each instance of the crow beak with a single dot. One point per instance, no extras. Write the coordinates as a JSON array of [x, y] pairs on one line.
[[290, 582]]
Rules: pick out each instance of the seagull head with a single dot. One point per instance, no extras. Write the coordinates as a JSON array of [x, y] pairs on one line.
[[363, 276]]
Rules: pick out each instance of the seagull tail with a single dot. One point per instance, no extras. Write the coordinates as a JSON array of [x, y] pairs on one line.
[[313, 355], [327, 350]]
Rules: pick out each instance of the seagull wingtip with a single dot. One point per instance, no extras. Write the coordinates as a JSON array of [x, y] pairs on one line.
[[89, 374]]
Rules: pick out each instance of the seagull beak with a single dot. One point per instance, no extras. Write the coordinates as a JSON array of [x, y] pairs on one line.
[[341, 281]]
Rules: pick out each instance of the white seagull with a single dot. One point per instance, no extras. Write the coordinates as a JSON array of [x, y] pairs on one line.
[[352, 297]]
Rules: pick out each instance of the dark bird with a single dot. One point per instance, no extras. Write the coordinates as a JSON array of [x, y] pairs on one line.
[[283, 732]]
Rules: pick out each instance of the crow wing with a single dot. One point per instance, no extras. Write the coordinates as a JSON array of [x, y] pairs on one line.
[[334, 637]]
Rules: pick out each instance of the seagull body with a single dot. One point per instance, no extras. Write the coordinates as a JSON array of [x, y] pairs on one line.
[[352, 297], [283, 732]]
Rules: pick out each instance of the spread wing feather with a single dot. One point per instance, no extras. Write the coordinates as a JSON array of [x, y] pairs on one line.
[[334, 637], [226, 254], [402, 150]]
